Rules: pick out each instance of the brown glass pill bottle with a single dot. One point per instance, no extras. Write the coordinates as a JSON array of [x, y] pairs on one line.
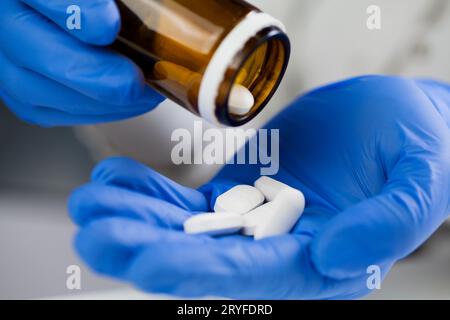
[[196, 51]]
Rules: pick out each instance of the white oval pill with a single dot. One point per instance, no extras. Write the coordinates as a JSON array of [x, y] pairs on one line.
[[290, 204], [241, 100], [270, 187], [257, 217], [240, 199], [214, 224]]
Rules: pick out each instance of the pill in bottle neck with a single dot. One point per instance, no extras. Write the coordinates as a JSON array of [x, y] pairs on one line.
[[241, 100], [220, 59]]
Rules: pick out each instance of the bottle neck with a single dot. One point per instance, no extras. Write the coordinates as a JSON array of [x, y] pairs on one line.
[[257, 29]]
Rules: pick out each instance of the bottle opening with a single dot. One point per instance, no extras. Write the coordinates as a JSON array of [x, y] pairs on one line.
[[253, 78]]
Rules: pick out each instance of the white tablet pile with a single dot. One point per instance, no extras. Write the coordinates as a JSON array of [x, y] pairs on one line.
[[268, 209]]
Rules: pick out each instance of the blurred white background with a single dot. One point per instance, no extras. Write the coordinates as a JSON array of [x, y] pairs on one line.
[[39, 167]]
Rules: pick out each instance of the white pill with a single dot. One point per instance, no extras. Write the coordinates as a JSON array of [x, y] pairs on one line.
[[241, 100], [290, 204], [214, 224], [270, 187], [240, 199], [257, 217]]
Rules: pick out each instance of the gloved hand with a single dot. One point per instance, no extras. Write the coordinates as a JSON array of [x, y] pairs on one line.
[[51, 75], [372, 156]]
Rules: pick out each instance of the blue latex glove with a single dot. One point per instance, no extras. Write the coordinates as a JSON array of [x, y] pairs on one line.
[[51, 75], [372, 156]]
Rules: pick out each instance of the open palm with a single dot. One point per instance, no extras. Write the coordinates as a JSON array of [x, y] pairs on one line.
[[372, 156]]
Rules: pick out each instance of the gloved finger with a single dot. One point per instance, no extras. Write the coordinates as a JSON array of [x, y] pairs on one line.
[[96, 72], [439, 94], [109, 245], [163, 261], [233, 267], [130, 174], [95, 201], [412, 205], [33, 89], [46, 117], [100, 19]]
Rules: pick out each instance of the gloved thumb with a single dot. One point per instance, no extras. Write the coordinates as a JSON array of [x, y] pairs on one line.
[[413, 204], [129, 174]]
